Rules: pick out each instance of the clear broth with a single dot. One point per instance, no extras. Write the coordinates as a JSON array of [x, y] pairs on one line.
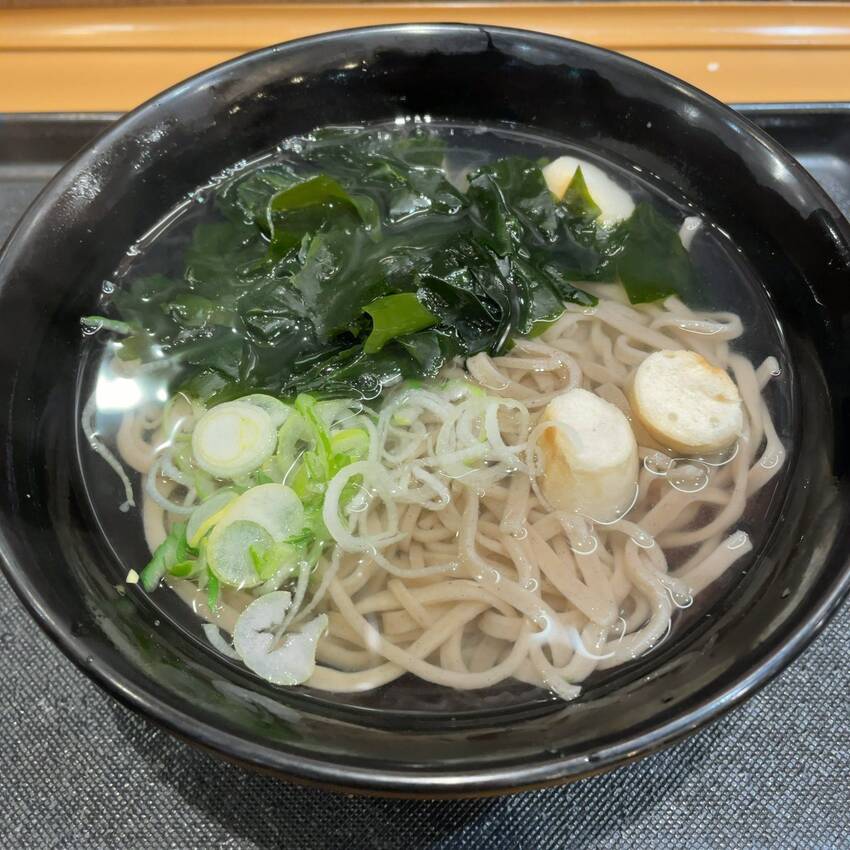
[[726, 282]]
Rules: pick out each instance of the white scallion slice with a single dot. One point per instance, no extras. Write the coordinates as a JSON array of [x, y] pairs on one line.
[[351, 441], [233, 439], [206, 515], [278, 411], [229, 551], [275, 507], [218, 642], [248, 526], [294, 660]]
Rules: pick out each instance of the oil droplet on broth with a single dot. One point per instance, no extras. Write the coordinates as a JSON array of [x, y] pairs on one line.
[[540, 620], [702, 326], [580, 536], [718, 459], [488, 576], [769, 461], [737, 540], [657, 463], [621, 621], [586, 545], [688, 476], [681, 599], [496, 388], [643, 539]]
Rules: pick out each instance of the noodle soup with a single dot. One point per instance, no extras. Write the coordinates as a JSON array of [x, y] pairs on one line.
[[427, 416]]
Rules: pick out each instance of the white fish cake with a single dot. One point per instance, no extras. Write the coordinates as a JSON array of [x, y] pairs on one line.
[[591, 459], [614, 202], [687, 404]]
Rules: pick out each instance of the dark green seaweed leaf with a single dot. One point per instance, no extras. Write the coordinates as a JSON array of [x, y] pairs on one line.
[[653, 263], [513, 204], [326, 192], [404, 174], [222, 255], [247, 200], [337, 279], [354, 372], [430, 350], [196, 311], [357, 263], [395, 316]]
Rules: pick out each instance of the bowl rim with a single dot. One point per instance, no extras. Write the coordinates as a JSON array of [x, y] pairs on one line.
[[453, 782]]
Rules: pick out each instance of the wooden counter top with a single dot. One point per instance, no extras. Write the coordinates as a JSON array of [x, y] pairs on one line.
[[112, 58]]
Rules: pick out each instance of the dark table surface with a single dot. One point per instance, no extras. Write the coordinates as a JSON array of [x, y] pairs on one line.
[[79, 771]]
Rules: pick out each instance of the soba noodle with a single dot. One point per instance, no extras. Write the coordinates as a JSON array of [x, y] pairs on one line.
[[460, 572]]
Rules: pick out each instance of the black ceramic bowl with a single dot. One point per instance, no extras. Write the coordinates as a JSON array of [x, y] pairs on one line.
[[60, 562]]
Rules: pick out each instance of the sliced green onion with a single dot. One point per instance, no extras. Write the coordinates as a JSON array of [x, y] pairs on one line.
[[294, 659], [205, 516], [233, 439], [351, 441], [292, 437], [152, 574], [315, 467], [306, 406], [204, 484], [464, 388], [177, 410], [217, 641], [230, 554], [185, 569], [329, 410], [274, 507], [256, 556], [278, 411], [403, 417], [247, 528], [274, 559], [302, 538], [171, 551], [102, 323], [212, 591]]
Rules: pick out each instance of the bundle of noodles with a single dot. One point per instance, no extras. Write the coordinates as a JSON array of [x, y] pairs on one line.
[[450, 564]]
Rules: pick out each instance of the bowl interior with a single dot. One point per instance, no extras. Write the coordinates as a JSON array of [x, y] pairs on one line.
[[58, 553]]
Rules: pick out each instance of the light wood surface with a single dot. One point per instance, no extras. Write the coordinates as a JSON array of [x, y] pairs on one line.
[[112, 58]]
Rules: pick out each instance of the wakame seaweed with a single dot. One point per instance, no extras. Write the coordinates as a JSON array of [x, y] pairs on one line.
[[360, 262]]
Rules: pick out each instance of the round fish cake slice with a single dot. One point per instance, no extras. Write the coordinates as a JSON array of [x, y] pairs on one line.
[[614, 202], [687, 404], [590, 459]]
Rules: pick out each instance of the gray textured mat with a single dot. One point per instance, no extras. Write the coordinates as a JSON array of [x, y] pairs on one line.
[[77, 770]]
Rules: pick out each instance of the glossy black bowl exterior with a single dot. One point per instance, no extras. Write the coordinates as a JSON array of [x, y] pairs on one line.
[[76, 232]]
